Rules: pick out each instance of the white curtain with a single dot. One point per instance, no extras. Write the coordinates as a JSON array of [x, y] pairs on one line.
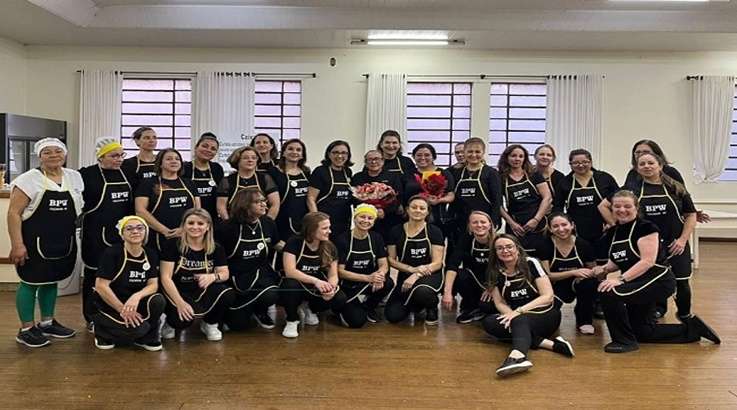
[[386, 106], [712, 100], [99, 110], [574, 105], [224, 104]]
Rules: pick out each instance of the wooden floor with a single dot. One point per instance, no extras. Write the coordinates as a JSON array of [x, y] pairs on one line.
[[381, 366]]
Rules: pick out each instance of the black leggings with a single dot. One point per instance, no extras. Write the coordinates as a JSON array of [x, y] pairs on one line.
[[583, 292], [111, 326], [526, 331], [469, 287], [681, 267], [355, 313], [88, 290], [422, 295], [213, 305], [293, 294], [257, 298]]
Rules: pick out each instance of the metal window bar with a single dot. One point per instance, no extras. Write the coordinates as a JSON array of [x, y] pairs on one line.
[[508, 107]]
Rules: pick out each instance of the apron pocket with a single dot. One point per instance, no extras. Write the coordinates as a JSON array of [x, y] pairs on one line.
[[52, 250]]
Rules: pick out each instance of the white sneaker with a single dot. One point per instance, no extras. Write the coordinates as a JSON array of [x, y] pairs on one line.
[[307, 316], [167, 332], [212, 332], [290, 329]]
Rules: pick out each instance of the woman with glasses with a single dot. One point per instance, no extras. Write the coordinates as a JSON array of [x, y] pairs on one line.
[[245, 161], [205, 173], [127, 307], [330, 187], [374, 172], [523, 296], [107, 198]]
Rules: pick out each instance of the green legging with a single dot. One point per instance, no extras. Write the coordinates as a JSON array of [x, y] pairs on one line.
[[25, 300]]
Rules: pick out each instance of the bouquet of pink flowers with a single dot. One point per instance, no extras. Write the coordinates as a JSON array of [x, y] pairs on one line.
[[375, 193], [432, 183]]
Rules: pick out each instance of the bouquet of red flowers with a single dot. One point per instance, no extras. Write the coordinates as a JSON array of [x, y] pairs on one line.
[[432, 183], [375, 193]]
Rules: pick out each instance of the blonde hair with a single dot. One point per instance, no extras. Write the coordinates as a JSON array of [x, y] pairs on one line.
[[209, 239]]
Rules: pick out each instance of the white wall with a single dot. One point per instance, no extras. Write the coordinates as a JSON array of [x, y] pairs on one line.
[[12, 77], [646, 95]]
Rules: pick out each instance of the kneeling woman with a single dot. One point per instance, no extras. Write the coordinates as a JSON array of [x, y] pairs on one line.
[[523, 296], [416, 250], [467, 269], [570, 260], [249, 237], [311, 269], [194, 272], [128, 307], [629, 299], [363, 268]]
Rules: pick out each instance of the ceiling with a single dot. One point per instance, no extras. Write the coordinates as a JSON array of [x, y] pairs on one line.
[[483, 24]]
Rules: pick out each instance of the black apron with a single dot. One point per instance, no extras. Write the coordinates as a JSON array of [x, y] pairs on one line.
[[205, 184], [582, 206], [145, 170], [561, 263], [622, 252], [98, 223], [241, 183], [361, 262], [312, 266], [415, 252], [201, 300], [131, 278], [170, 206], [523, 201], [49, 235], [248, 262], [293, 205], [479, 257], [337, 203], [518, 291], [471, 194]]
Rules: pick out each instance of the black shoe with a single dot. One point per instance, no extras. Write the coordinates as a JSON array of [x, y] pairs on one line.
[[372, 316], [614, 347], [150, 346], [90, 327], [431, 318], [103, 344], [658, 313], [563, 347], [469, 316], [705, 330], [512, 366], [419, 315], [264, 320], [57, 330], [32, 337]]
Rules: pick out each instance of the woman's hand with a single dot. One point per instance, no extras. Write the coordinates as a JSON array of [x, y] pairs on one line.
[[18, 254], [702, 217], [486, 296], [173, 233], [206, 279], [531, 225], [409, 282], [583, 273], [609, 284], [433, 200], [677, 247], [517, 228], [185, 311], [448, 300], [324, 287], [506, 319]]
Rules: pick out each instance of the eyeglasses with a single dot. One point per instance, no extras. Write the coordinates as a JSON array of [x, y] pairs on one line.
[[580, 163], [374, 159], [134, 228], [118, 156], [505, 248], [339, 153]]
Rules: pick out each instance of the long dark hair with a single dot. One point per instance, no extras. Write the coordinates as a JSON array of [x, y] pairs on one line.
[[242, 201], [503, 164], [310, 223], [326, 160], [653, 146], [273, 153], [160, 159], [496, 266], [389, 133], [669, 182], [301, 163]]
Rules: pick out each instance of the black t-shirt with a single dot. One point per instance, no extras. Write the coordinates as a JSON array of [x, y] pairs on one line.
[[343, 243], [389, 178], [138, 171], [582, 249], [308, 261], [282, 180], [320, 179], [400, 165], [517, 291], [151, 189], [523, 200], [658, 209], [205, 183], [216, 169], [554, 180], [633, 178], [256, 241], [470, 254], [642, 228], [229, 184], [468, 199], [126, 282], [192, 262], [417, 250], [604, 182], [93, 184]]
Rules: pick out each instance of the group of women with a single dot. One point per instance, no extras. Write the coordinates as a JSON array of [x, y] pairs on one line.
[[166, 242]]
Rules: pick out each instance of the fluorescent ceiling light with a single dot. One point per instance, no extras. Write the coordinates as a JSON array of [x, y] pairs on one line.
[[668, 1], [409, 35], [407, 42]]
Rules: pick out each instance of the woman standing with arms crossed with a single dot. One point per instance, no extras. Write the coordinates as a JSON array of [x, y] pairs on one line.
[[330, 187], [42, 215]]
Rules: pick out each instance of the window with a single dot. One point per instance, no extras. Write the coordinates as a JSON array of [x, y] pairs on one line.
[[438, 114], [162, 104], [730, 170], [279, 109], [516, 116]]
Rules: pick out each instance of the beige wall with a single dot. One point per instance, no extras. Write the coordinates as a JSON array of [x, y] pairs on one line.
[[12, 77]]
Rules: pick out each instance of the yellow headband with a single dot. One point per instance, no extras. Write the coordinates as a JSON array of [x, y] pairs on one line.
[[107, 148], [124, 221], [365, 209]]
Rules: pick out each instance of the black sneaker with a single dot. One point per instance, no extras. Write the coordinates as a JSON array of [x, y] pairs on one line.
[[150, 346], [563, 347], [90, 327], [431, 318], [704, 330], [57, 330], [103, 344], [469, 316], [614, 347], [264, 320], [372, 316], [658, 313], [511, 366], [32, 337]]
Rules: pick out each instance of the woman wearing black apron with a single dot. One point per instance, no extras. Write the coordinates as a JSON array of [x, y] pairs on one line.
[[292, 178], [163, 201], [205, 173], [330, 187], [478, 187], [373, 171], [311, 275], [527, 197], [127, 307], [523, 296], [416, 249], [629, 298], [194, 278], [249, 238], [42, 214], [390, 146], [666, 203], [265, 146], [467, 269], [245, 160], [363, 269], [142, 167], [544, 160], [579, 195], [570, 259], [107, 197]]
